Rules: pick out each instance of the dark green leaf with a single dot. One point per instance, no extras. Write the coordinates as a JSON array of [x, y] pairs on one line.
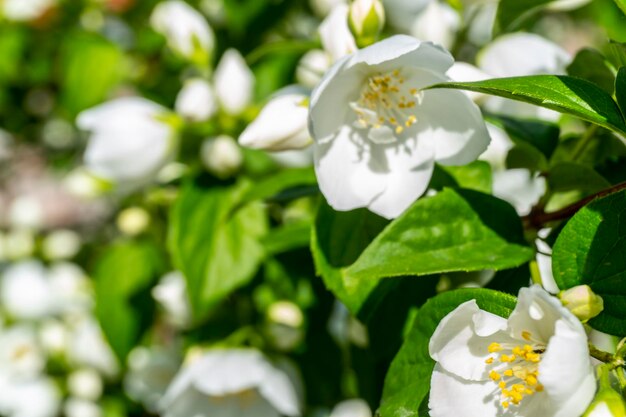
[[121, 274], [564, 94], [408, 380], [475, 176], [591, 65], [617, 54], [512, 13], [590, 250], [620, 89], [526, 156], [288, 237], [213, 242], [569, 176], [453, 231], [282, 181], [542, 135]]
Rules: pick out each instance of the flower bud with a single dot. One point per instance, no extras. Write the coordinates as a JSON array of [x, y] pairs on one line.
[[366, 20], [196, 101], [335, 35], [582, 302], [133, 221], [221, 156], [234, 82], [607, 402], [284, 325]]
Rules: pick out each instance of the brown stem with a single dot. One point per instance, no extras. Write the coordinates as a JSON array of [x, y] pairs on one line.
[[537, 219], [600, 355]]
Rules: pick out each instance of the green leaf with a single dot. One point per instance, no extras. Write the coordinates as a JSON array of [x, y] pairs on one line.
[[617, 53], [591, 65], [622, 5], [564, 94], [270, 187], [540, 134], [526, 156], [475, 176], [288, 237], [590, 250], [214, 243], [12, 42], [512, 13], [408, 380], [620, 89], [569, 176], [91, 67], [123, 274], [452, 231]]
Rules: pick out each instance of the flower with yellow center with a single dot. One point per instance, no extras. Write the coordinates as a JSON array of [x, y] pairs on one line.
[[536, 363], [378, 132]]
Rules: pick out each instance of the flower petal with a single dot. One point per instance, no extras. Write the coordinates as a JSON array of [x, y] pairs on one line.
[[457, 346], [453, 126], [451, 396], [566, 372]]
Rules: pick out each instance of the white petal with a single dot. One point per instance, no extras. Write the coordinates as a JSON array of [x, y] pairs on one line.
[[508, 56], [438, 23], [564, 5], [566, 372], [457, 346], [519, 187], [281, 125], [483, 17], [453, 126], [278, 389], [498, 148], [451, 396], [537, 312], [229, 371], [352, 408], [402, 13], [234, 82], [335, 34]]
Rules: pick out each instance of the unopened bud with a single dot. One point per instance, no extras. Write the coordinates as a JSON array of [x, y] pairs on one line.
[[607, 402], [366, 20], [582, 302], [284, 326], [221, 156], [133, 221]]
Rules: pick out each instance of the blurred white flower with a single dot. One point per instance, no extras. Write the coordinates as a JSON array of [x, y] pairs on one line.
[[378, 134], [498, 148], [282, 123], [234, 82], [70, 287], [133, 221], [25, 291], [352, 408], [18, 244], [61, 244], [238, 382], [311, 67], [25, 10], [401, 14], [196, 101], [171, 294], [85, 383], [26, 212], [20, 355], [53, 337], [88, 347], [519, 187], [130, 140], [186, 30], [335, 33], [82, 183], [221, 156], [438, 23], [33, 397], [78, 407], [151, 370]]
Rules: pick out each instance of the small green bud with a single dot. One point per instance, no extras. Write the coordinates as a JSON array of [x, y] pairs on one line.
[[582, 302], [607, 402], [366, 20]]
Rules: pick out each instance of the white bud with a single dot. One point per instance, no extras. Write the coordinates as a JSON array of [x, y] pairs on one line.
[[186, 30], [26, 212], [582, 302], [171, 294], [234, 82], [287, 313], [352, 408], [366, 20], [133, 221], [196, 101], [61, 244], [281, 125], [76, 407], [25, 10], [53, 337], [84, 184], [335, 34], [221, 156], [85, 383], [312, 67]]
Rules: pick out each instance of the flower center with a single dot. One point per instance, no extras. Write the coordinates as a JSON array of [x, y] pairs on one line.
[[386, 100], [516, 369]]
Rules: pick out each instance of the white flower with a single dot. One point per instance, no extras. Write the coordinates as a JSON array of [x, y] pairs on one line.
[[25, 291], [237, 382], [186, 30], [438, 23], [128, 141], [196, 101], [234, 82], [133, 221], [378, 134], [151, 370], [536, 363], [70, 287], [88, 347], [335, 33], [77, 407], [402, 13], [25, 10], [33, 397], [352, 408], [85, 383], [61, 244], [221, 156], [281, 125], [20, 354], [519, 187], [312, 67], [171, 293]]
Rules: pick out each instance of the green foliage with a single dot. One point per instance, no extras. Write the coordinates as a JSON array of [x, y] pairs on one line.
[[123, 275], [564, 94], [453, 231], [620, 89], [543, 136], [512, 13], [214, 240], [90, 67], [408, 380], [590, 251], [592, 66], [569, 176]]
